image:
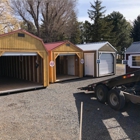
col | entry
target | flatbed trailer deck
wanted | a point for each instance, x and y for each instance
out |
(118, 90)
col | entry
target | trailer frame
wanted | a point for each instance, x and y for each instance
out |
(118, 90)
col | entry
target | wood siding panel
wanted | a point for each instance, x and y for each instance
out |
(13, 42)
(67, 49)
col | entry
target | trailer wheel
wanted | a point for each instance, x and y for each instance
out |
(116, 99)
(101, 93)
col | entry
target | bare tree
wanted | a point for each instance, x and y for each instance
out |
(28, 11)
(55, 15)
(49, 16)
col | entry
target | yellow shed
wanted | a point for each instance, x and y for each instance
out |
(23, 62)
(65, 61)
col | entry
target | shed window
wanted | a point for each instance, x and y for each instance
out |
(68, 44)
(134, 61)
(21, 35)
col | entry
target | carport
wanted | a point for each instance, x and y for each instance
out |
(65, 61)
(23, 62)
(100, 59)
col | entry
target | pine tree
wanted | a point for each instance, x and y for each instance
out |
(135, 32)
(121, 31)
(96, 15)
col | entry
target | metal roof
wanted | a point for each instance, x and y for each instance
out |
(51, 46)
(134, 47)
(94, 46)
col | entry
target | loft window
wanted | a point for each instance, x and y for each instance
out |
(21, 35)
(68, 44)
(135, 60)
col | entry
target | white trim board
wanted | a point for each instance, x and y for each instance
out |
(19, 54)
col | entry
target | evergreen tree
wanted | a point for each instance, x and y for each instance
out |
(96, 15)
(85, 30)
(121, 31)
(135, 32)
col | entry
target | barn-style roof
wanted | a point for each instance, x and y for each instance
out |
(94, 46)
(24, 32)
(134, 48)
(20, 30)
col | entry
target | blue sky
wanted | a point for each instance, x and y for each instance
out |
(129, 8)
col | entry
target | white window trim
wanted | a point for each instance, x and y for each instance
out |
(130, 61)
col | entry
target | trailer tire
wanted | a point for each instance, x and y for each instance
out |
(101, 93)
(116, 99)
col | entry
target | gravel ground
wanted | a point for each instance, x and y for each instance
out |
(53, 114)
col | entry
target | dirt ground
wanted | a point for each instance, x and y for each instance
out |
(53, 113)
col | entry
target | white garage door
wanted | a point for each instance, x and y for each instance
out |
(89, 63)
(106, 65)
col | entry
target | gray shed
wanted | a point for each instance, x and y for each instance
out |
(99, 59)
(132, 55)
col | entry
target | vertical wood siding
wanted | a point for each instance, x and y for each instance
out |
(24, 67)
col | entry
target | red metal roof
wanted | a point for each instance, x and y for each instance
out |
(51, 46)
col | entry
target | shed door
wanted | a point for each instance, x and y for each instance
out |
(71, 65)
(89, 63)
(106, 65)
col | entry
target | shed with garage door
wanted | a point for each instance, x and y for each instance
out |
(132, 57)
(23, 62)
(65, 61)
(100, 59)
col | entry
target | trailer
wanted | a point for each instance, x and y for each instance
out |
(118, 90)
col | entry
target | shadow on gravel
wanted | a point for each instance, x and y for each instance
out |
(100, 122)
(86, 78)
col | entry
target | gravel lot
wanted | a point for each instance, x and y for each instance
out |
(53, 114)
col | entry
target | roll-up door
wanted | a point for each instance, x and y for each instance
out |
(106, 65)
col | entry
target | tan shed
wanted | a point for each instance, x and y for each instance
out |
(65, 61)
(23, 62)
(100, 59)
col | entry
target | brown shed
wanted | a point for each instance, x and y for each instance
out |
(23, 62)
(65, 61)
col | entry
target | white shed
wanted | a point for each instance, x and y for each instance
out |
(99, 59)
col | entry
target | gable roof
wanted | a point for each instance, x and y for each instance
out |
(134, 48)
(51, 46)
(94, 46)
(23, 31)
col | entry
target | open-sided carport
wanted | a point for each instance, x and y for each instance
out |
(23, 62)
(65, 61)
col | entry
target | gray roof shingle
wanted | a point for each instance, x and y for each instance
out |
(134, 47)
